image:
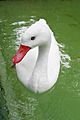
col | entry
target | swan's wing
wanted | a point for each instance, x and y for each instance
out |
(54, 61)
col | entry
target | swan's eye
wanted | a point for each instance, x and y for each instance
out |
(32, 38)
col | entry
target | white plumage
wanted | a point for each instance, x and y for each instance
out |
(39, 69)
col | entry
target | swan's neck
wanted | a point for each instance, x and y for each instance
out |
(39, 75)
(42, 60)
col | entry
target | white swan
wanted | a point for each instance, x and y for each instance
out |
(38, 59)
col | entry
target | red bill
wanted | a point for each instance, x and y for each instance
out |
(20, 53)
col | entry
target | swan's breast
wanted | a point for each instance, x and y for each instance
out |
(26, 66)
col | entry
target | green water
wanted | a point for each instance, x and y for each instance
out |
(62, 102)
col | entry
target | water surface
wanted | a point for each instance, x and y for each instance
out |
(62, 102)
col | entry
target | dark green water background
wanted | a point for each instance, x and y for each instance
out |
(62, 102)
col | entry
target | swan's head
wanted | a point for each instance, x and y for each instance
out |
(38, 34)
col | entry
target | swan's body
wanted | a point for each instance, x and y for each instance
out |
(39, 69)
